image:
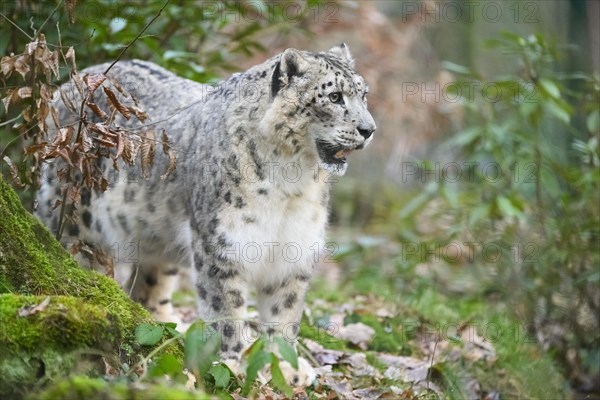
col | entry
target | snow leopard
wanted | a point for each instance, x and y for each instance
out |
(246, 209)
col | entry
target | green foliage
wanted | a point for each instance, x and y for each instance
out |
(543, 135)
(201, 344)
(529, 190)
(148, 334)
(287, 351)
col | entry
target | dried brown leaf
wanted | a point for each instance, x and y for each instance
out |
(96, 109)
(130, 150)
(54, 115)
(88, 169)
(67, 101)
(120, 145)
(112, 98)
(168, 150)
(30, 310)
(101, 128)
(46, 93)
(42, 113)
(24, 92)
(22, 65)
(70, 57)
(10, 93)
(86, 141)
(74, 194)
(358, 333)
(103, 184)
(27, 113)
(70, 6)
(57, 204)
(139, 113)
(108, 370)
(7, 65)
(79, 83)
(34, 148)
(106, 142)
(93, 81)
(191, 380)
(64, 154)
(147, 148)
(14, 172)
(63, 136)
(120, 88)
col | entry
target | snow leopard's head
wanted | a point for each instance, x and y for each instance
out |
(325, 103)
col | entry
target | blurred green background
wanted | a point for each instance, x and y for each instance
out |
(483, 180)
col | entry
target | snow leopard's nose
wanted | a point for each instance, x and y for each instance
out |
(366, 133)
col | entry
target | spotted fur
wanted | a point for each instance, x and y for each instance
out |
(246, 209)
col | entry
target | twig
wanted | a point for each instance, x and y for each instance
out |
(11, 120)
(137, 37)
(431, 364)
(16, 26)
(137, 270)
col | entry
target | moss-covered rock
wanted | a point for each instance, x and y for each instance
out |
(87, 313)
(83, 388)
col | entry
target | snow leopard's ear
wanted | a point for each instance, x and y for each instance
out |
(291, 63)
(343, 51)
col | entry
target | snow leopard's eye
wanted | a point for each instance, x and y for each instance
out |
(336, 97)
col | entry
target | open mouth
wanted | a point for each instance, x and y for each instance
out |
(332, 154)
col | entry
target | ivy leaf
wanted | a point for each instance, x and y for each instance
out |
(278, 378)
(221, 375)
(287, 351)
(148, 334)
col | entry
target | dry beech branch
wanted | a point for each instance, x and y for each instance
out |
(95, 135)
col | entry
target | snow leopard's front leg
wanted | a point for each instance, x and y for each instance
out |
(280, 306)
(222, 294)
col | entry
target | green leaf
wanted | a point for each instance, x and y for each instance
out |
(221, 375)
(450, 195)
(478, 213)
(560, 112)
(278, 378)
(506, 207)
(287, 351)
(593, 121)
(167, 364)
(148, 334)
(202, 344)
(549, 88)
(467, 136)
(453, 67)
(419, 201)
(256, 361)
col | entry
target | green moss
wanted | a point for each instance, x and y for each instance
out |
(66, 322)
(33, 263)
(87, 314)
(84, 388)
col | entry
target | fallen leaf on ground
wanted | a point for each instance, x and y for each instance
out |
(30, 310)
(357, 333)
